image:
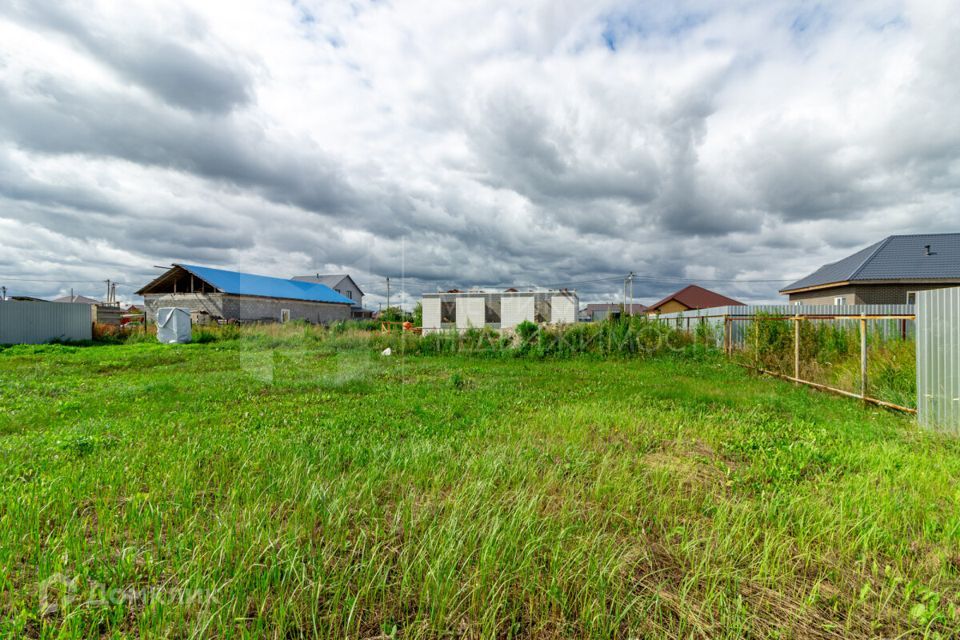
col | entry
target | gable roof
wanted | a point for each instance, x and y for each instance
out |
(248, 284)
(329, 279)
(893, 258)
(696, 297)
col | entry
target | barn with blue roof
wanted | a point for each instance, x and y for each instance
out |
(231, 296)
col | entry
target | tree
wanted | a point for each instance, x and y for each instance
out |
(394, 314)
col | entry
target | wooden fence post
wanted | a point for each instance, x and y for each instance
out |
(863, 357)
(796, 347)
(726, 335)
(756, 341)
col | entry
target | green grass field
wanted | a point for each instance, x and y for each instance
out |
(289, 487)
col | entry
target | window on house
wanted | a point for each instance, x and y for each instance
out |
(284, 315)
(840, 301)
(911, 297)
(337, 290)
(350, 294)
(797, 303)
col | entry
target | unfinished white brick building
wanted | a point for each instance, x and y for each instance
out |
(498, 310)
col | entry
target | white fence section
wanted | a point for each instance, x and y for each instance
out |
(516, 309)
(563, 309)
(38, 321)
(431, 313)
(938, 359)
(471, 312)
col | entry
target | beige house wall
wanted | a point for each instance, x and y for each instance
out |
(670, 306)
(864, 293)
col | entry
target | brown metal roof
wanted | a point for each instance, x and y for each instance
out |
(696, 297)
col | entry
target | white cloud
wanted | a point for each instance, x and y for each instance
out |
(471, 142)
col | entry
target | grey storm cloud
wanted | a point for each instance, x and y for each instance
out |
(52, 118)
(560, 143)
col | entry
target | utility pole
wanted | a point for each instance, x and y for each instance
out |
(625, 295)
(631, 292)
(388, 293)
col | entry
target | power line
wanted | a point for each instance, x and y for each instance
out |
(20, 279)
(722, 280)
(620, 278)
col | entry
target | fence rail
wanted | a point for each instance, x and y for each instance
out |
(728, 327)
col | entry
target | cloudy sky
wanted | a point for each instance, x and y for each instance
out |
(473, 142)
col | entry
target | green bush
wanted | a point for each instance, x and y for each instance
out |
(527, 330)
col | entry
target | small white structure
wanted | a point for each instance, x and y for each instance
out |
(173, 325)
(498, 310)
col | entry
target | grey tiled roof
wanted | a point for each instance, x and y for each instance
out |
(894, 258)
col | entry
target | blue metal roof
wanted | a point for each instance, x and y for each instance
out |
(894, 258)
(248, 284)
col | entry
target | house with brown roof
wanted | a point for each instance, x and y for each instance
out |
(691, 297)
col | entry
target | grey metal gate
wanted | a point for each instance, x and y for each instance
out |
(938, 359)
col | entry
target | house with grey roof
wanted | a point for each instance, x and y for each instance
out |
(343, 284)
(888, 272)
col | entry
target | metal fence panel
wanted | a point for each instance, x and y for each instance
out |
(714, 317)
(37, 321)
(938, 358)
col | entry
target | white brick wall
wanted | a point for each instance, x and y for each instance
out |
(471, 312)
(431, 314)
(563, 310)
(514, 310)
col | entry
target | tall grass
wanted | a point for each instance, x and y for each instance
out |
(270, 485)
(629, 337)
(830, 355)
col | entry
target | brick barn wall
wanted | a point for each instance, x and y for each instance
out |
(212, 303)
(246, 309)
(249, 309)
